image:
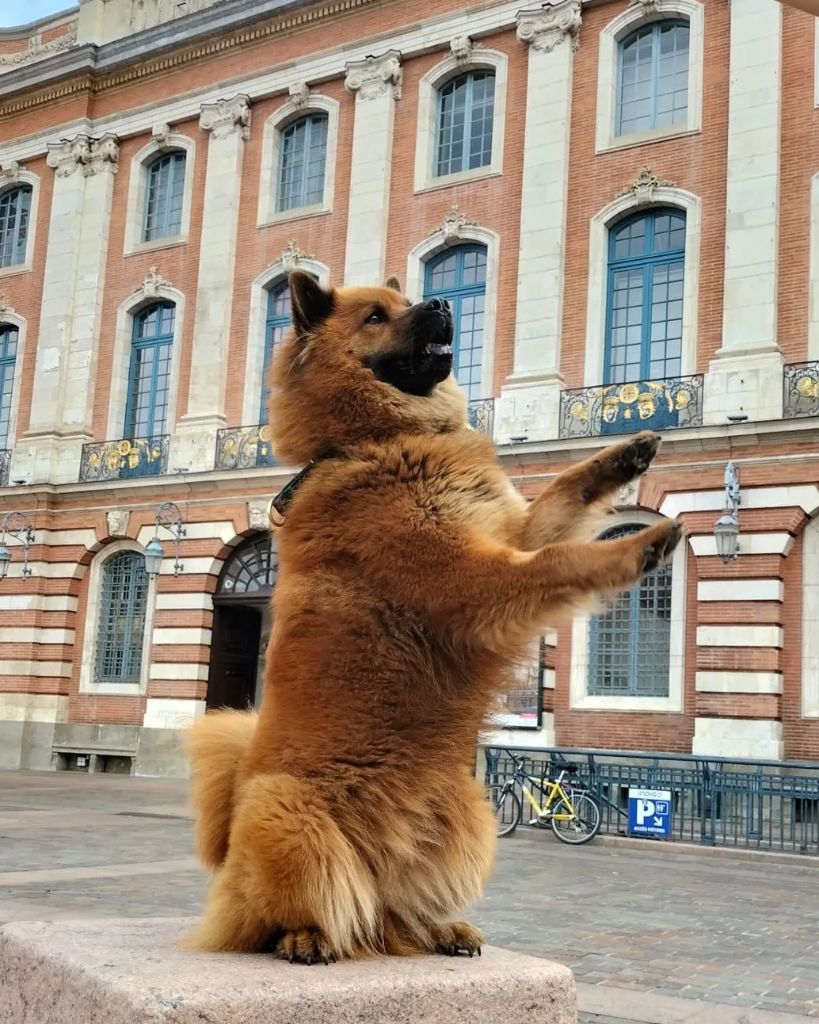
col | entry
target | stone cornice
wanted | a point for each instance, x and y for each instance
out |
(91, 156)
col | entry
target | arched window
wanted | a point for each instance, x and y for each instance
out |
(630, 646)
(8, 359)
(15, 210)
(276, 326)
(122, 610)
(652, 78)
(463, 132)
(164, 194)
(459, 275)
(251, 569)
(149, 374)
(302, 159)
(645, 297)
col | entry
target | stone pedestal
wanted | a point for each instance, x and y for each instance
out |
(127, 971)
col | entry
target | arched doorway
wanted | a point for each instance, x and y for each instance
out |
(241, 624)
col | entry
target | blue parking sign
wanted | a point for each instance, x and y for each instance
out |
(649, 812)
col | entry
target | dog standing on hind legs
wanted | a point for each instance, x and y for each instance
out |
(344, 819)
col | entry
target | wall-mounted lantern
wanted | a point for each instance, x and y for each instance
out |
(15, 524)
(726, 528)
(168, 516)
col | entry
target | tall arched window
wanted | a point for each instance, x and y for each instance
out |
(302, 159)
(122, 611)
(15, 210)
(8, 358)
(164, 193)
(459, 275)
(645, 297)
(630, 646)
(463, 132)
(276, 326)
(652, 77)
(146, 411)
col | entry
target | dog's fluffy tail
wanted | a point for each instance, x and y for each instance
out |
(216, 745)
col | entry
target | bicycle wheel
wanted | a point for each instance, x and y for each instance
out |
(583, 825)
(507, 807)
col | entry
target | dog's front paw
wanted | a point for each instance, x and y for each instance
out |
(455, 938)
(305, 946)
(620, 464)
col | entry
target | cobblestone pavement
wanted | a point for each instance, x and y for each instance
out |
(742, 932)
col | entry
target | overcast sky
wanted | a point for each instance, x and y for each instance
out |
(21, 12)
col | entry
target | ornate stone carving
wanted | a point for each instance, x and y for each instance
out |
(292, 255)
(4, 304)
(461, 47)
(626, 496)
(92, 156)
(153, 283)
(452, 226)
(647, 7)
(224, 117)
(161, 134)
(156, 12)
(117, 519)
(547, 28)
(257, 516)
(299, 95)
(37, 49)
(373, 76)
(644, 186)
(10, 173)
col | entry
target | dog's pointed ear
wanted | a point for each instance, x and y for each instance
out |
(394, 283)
(311, 304)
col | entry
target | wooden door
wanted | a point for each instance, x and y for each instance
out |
(234, 656)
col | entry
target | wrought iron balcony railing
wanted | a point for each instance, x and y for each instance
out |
(801, 390)
(639, 405)
(482, 415)
(5, 464)
(124, 458)
(244, 447)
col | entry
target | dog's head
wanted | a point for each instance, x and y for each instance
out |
(361, 364)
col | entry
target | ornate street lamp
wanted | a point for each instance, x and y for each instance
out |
(15, 524)
(726, 528)
(169, 516)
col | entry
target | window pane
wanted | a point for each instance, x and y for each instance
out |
(652, 88)
(163, 197)
(278, 323)
(15, 209)
(302, 162)
(466, 109)
(8, 352)
(121, 632)
(149, 375)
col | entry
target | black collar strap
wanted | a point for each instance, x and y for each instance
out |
(277, 508)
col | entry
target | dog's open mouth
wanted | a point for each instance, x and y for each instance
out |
(437, 349)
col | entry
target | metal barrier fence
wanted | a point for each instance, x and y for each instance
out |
(716, 801)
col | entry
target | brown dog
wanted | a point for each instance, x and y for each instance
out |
(346, 819)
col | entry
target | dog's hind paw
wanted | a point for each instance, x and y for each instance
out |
(305, 946)
(455, 938)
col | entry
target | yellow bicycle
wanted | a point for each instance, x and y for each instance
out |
(572, 812)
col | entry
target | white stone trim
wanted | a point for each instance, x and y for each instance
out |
(36, 635)
(193, 566)
(633, 17)
(33, 707)
(813, 264)
(804, 496)
(661, 196)
(184, 602)
(165, 636)
(738, 737)
(223, 530)
(92, 613)
(579, 698)
(44, 669)
(450, 67)
(146, 295)
(739, 682)
(137, 185)
(436, 242)
(704, 545)
(257, 321)
(294, 110)
(171, 712)
(810, 620)
(48, 570)
(739, 636)
(741, 590)
(179, 670)
(37, 603)
(522, 739)
(23, 177)
(9, 316)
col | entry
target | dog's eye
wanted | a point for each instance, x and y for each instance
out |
(378, 316)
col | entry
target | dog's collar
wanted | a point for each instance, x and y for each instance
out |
(277, 508)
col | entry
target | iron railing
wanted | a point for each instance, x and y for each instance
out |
(638, 405)
(716, 801)
(244, 447)
(5, 465)
(124, 458)
(800, 390)
(482, 415)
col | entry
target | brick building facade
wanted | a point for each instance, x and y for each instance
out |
(621, 200)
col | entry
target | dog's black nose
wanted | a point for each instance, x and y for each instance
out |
(438, 306)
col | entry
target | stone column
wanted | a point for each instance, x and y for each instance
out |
(71, 308)
(376, 82)
(530, 400)
(228, 122)
(745, 376)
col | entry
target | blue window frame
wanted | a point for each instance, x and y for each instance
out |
(8, 360)
(630, 646)
(302, 160)
(149, 376)
(463, 130)
(121, 631)
(164, 193)
(276, 326)
(645, 297)
(459, 275)
(15, 211)
(652, 78)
